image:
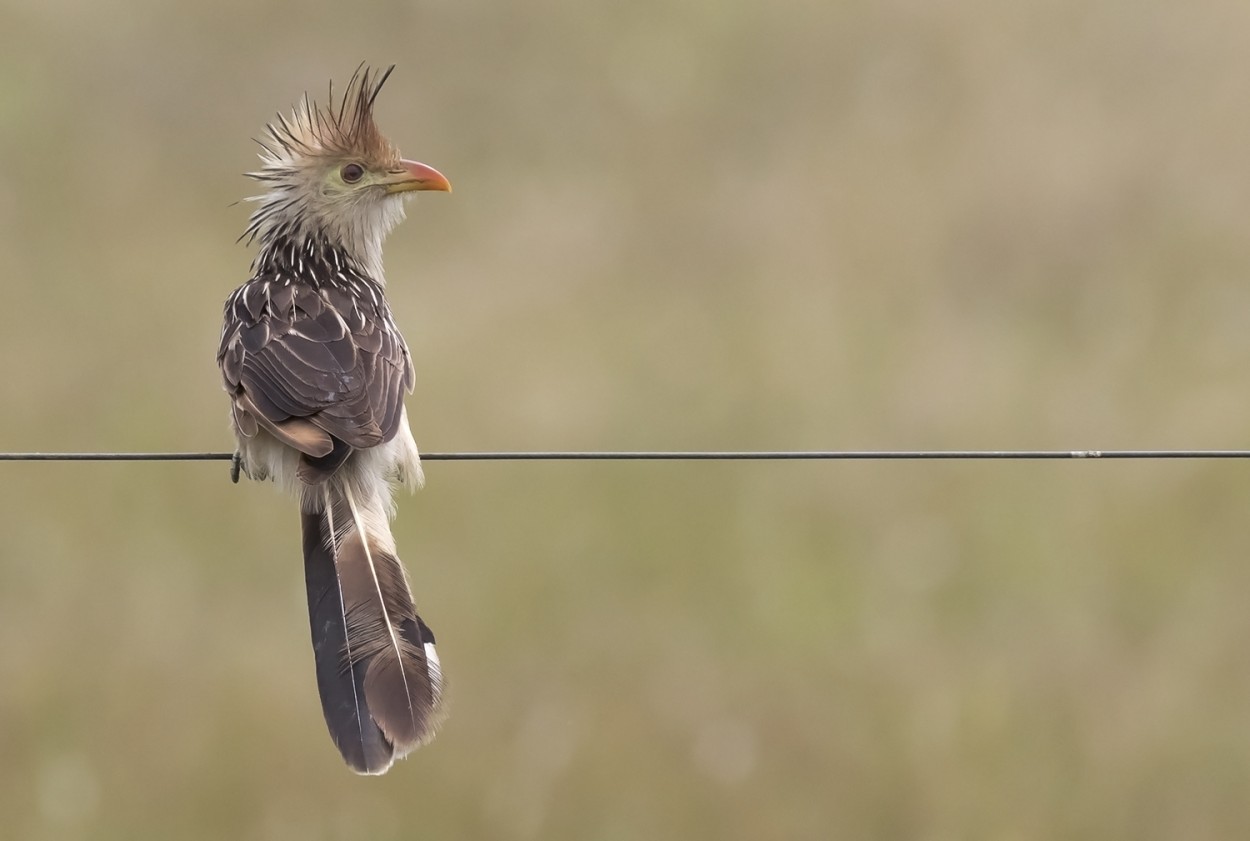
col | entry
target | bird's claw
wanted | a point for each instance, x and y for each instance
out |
(236, 465)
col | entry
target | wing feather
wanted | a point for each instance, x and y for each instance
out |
(328, 355)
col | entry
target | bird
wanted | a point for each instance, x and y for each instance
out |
(317, 371)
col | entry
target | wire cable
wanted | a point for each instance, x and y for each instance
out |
(700, 455)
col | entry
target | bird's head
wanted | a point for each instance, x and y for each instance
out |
(329, 173)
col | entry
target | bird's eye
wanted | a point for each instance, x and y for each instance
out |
(352, 173)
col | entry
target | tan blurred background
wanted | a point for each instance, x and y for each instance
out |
(688, 224)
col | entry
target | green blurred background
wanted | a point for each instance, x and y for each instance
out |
(691, 224)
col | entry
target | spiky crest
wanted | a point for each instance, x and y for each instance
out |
(339, 128)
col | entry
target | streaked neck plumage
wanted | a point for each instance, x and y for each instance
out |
(286, 217)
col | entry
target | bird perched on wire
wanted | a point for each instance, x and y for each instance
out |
(317, 372)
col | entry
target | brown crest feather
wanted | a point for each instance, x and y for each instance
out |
(343, 126)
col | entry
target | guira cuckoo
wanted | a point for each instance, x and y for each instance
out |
(317, 370)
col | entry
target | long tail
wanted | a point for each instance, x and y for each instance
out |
(377, 670)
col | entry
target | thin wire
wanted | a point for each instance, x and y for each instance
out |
(762, 455)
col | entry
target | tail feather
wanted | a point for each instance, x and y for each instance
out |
(377, 669)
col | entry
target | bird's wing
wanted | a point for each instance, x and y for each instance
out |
(304, 361)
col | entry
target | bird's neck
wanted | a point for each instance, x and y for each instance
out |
(315, 258)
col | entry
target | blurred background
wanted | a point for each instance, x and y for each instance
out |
(684, 224)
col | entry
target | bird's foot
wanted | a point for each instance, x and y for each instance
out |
(236, 465)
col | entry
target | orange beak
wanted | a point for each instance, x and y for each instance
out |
(415, 176)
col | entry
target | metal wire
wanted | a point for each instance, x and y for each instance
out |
(762, 455)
